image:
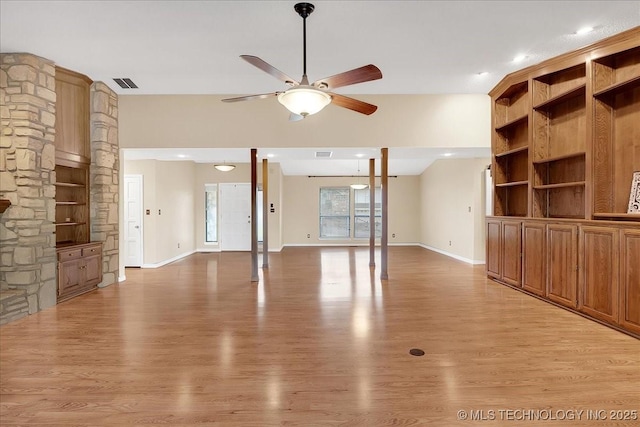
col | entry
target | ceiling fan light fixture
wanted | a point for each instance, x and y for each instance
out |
(225, 167)
(304, 100)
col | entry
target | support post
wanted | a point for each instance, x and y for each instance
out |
(384, 184)
(372, 212)
(254, 215)
(265, 213)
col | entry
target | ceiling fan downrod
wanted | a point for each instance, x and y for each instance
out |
(304, 10)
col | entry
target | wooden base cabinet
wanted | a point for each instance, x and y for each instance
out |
(534, 273)
(79, 269)
(504, 246)
(598, 282)
(629, 315)
(562, 261)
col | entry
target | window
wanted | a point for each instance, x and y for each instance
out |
(211, 213)
(361, 213)
(335, 212)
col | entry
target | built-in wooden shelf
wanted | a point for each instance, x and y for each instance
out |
(68, 184)
(512, 151)
(512, 184)
(562, 97)
(619, 216)
(512, 122)
(63, 224)
(4, 204)
(70, 204)
(618, 87)
(560, 185)
(513, 89)
(556, 158)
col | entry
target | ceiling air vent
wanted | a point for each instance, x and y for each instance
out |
(323, 154)
(125, 83)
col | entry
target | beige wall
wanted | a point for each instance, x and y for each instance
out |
(163, 121)
(207, 174)
(169, 194)
(300, 209)
(452, 207)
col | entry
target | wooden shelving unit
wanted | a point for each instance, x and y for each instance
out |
(616, 153)
(565, 144)
(72, 207)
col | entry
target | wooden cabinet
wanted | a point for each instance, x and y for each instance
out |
(79, 269)
(504, 250)
(562, 262)
(629, 314)
(565, 144)
(72, 118)
(534, 272)
(598, 281)
(79, 262)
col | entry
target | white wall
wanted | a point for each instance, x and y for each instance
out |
(168, 194)
(165, 121)
(300, 208)
(452, 208)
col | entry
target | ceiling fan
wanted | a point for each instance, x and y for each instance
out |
(303, 99)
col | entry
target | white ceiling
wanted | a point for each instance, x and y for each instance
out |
(193, 47)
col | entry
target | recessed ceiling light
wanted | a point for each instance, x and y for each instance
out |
(447, 154)
(359, 155)
(182, 156)
(270, 155)
(482, 73)
(584, 30)
(520, 58)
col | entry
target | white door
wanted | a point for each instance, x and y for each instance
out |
(235, 217)
(133, 220)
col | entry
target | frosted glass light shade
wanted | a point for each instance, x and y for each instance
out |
(304, 100)
(225, 167)
(359, 186)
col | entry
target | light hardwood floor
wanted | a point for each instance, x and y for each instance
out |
(319, 341)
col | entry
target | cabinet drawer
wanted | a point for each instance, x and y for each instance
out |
(68, 254)
(96, 250)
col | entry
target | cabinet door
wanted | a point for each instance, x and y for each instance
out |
(562, 261)
(630, 280)
(494, 248)
(599, 273)
(69, 276)
(511, 252)
(534, 274)
(92, 270)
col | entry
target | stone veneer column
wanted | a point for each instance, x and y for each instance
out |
(104, 169)
(27, 177)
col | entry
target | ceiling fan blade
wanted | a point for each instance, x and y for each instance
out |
(358, 75)
(293, 117)
(269, 69)
(353, 104)
(250, 97)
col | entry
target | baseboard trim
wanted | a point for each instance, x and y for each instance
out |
(122, 278)
(454, 256)
(168, 261)
(358, 244)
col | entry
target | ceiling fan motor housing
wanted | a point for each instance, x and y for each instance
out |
(304, 9)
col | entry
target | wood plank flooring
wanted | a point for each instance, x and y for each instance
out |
(320, 341)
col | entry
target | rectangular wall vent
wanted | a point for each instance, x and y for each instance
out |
(125, 83)
(323, 154)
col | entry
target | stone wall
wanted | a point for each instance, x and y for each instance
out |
(27, 162)
(28, 281)
(104, 170)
